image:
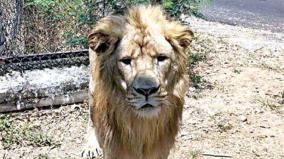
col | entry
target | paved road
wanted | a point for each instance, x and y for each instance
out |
(263, 14)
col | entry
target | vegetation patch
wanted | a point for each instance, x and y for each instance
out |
(197, 81)
(272, 105)
(224, 127)
(274, 102)
(56, 24)
(195, 154)
(194, 58)
(25, 134)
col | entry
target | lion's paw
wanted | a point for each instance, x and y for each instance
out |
(92, 152)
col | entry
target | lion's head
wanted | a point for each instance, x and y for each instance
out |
(141, 56)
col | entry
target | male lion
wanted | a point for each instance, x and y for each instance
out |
(137, 86)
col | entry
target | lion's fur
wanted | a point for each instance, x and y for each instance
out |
(122, 133)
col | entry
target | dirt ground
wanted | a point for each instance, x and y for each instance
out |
(234, 107)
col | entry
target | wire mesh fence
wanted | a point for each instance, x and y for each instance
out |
(33, 27)
(55, 28)
(42, 26)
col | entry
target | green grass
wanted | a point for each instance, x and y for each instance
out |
(195, 154)
(13, 133)
(197, 81)
(194, 58)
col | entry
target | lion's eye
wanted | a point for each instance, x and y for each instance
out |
(161, 58)
(126, 61)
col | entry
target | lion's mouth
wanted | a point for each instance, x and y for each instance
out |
(147, 106)
(148, 110)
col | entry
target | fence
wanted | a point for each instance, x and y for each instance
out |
(42, 26)
(38, 34)
(29, 28)
(33, 27)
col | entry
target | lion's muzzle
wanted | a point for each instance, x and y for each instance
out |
(146, 89)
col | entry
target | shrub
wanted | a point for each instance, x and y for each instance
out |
(49, 22)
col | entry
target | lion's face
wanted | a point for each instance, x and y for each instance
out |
(141, 58)
(144, 63)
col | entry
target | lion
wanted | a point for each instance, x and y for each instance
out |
(138, 66)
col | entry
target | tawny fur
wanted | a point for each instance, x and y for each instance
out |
(122, 134)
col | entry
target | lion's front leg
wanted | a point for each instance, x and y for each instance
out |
(92, 148)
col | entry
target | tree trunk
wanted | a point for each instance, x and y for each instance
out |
(2, 35)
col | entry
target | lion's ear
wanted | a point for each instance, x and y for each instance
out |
(102, 43)
(179, 35)
(185, 38)
(106, 34)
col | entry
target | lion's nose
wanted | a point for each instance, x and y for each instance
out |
(147, 91)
